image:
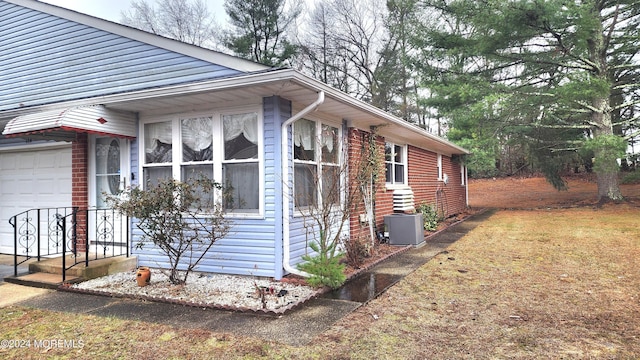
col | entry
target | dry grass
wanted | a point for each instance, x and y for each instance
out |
(551, 283)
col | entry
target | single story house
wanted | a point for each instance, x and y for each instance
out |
(89, 106)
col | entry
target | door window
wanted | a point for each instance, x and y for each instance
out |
(107, 168)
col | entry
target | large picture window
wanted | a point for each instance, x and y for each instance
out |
(395, 162)
(224, 147)
(316, 156)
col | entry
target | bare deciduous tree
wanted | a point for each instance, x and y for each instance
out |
(188, 21)
(362, 48)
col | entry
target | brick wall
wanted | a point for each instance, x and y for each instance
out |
(79, 185)
(422, 179)
(449, 198)
(456, 195)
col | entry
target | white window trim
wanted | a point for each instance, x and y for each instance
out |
(218, 142)
(405, 162)
(440, 172)
(305, 211)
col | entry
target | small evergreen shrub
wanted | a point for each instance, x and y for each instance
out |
(429, 216)
(325, 270)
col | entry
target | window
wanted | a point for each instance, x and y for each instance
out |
(158, 140)
(308, 136)
(197, 150)
(329, 139)
(240, 166)
(395, 162)
(224, 147)
(439, 167)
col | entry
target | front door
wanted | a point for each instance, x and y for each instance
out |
(110, 161)
(107, 229)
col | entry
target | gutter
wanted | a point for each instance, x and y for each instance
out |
(286, 245)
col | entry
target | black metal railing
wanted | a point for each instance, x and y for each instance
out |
(87, 234)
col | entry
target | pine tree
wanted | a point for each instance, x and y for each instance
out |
(561, 77)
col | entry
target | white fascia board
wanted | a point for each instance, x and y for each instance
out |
(197, 52)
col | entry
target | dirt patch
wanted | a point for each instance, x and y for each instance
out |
(532, 193)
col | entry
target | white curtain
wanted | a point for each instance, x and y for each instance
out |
(197, 133)
(245, 124)
(157, 142)
(329, 136)
(241, 182)
(304, 134)
(157, 131)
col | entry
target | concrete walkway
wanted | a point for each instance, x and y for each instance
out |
(296, 328)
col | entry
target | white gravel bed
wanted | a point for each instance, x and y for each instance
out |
(224, 291)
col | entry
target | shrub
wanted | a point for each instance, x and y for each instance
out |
(429, 216)
(357, 249)
(170, 215)
(324, 268)
(631, 178)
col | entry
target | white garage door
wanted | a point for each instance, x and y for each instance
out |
(37, 178)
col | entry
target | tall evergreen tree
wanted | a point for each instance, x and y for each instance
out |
(395, 87)
(259, 30)
(562, 75)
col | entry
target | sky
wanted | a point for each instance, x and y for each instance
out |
(110, 9)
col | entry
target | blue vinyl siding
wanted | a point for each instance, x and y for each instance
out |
(279, 110)
(133, 148)
(46, 59)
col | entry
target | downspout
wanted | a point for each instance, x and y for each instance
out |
(466, 185)
(286, 246)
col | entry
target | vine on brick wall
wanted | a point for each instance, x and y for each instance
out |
(369, 167)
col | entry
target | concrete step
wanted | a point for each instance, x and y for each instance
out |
(48, 273)
(96, 268)
(41, 280)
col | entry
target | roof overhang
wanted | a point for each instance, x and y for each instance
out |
(289, 84)
(64, 124)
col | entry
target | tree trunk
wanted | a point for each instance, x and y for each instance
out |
(608, 187)
(607, 168)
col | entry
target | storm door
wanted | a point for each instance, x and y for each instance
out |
(107, 228)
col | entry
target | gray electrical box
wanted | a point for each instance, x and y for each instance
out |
(405, 229)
